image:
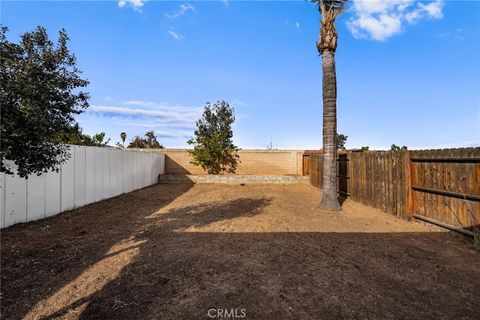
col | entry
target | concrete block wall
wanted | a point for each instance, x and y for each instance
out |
(252, 162)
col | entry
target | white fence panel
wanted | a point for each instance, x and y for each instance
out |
(131, 172)
(52, 193)
(2, 199)
(67, 195)
(106, 172)
(35, 197)
(15, 200)
(147, 168)
(123, 168)
(80, 176)
(150, 172)
(91, 174)
(136, 168)
(98, 175)
(115, 173)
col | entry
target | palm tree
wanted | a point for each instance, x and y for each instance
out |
(123, 136)
(326, 46)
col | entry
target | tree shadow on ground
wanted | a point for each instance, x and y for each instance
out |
(129, 221)
(153, 266)
(41, 257)
(160, 234)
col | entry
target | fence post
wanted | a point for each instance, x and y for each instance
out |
(410, 182)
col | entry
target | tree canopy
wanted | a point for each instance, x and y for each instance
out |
(394, 147)
(213, 147)
(40, 96)
(149, 142)
(75, 135)
(341, 140)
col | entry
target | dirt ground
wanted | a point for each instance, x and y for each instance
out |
(265, 252)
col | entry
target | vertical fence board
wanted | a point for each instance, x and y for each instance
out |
(115, 177)
(106, 172)
(80, 176)
(89, 175)
(98, 156)
(2, 200)
(15, 200)
(67, 177)
(35, 197)
(52, 193)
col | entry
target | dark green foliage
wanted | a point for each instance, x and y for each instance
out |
(123, 136)
(149, 142)
(334, 4)
(74, 135)
(341, 140)
(394, 147)
(213, 147)
(39, 98)
(364, 149)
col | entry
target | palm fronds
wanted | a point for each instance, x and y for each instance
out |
(330, 8)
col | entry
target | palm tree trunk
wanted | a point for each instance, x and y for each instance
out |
(329, 84)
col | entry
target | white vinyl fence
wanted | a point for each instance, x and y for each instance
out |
(91, 174)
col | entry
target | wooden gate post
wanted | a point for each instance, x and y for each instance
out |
(410, 183)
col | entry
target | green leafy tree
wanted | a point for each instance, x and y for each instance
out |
(213, 147)
(327, 46)
(39, 97)
(99, 139)
(123, 136)
(341, 140)
(149, 142)
(74, 135)
(394, 147)
(364, 149)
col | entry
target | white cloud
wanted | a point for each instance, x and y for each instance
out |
(457, 34)
(175, 35)
(295, 24)
(381, 19)
(168, 121)
(433, 9)
(135, 4)
(239, 103)
(139, 103)
(183, 8)
(173, 134)
(158, 111)
(152, 116)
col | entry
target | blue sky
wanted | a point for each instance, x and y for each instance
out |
(408, 72)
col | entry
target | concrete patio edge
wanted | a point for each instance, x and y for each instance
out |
(231, 179)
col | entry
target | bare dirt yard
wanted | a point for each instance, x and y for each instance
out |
(178, 251)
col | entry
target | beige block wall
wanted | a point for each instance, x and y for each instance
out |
(252, 162)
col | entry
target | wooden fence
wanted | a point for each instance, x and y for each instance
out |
(445, 186)
(442, 186)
